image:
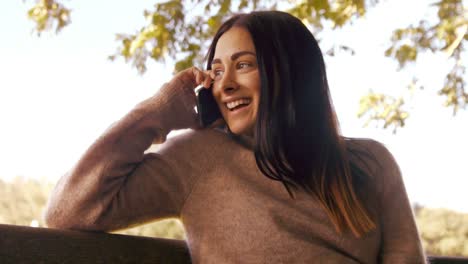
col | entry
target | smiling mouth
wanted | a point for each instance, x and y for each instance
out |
(237, 104)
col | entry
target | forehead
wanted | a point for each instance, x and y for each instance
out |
(234, 40)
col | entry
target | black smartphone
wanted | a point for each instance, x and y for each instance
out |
(207, 108)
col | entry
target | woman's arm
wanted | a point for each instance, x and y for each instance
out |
(400, 238)
(115, 184)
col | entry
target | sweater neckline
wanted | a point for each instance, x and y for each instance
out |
(244, 140)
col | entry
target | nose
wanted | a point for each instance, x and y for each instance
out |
(228, 84)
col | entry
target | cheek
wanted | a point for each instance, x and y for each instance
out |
(219, 103)
(216, 94)
(252, 84)
(257, 92)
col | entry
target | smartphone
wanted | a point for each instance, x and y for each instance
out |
(207, 108)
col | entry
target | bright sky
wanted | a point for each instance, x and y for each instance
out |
(58, 93)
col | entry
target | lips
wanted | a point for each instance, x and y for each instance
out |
(240, 102)
(235, 104)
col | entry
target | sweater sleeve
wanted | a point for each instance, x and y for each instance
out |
(400, 237)
(115, 184)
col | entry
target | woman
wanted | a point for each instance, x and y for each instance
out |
(277, 185)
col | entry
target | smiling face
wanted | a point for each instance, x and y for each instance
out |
(236, 86)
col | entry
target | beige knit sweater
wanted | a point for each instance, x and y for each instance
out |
(231, 212)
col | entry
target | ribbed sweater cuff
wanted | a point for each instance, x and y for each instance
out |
(171, 108)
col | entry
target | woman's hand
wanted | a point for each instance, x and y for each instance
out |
(193, 77)
(174, 103)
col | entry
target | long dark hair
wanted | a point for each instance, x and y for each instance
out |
(296, 136)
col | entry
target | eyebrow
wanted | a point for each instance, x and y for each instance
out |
(234, 56)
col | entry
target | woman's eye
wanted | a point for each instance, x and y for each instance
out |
(217, 73)
(243, 65)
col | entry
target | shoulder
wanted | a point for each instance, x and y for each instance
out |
(369, 147)
(195, 142)
(373, 156)
(200, 137)
(193, 151)
(365, 144)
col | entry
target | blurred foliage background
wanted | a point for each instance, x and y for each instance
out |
(182, 29)
(443, 232)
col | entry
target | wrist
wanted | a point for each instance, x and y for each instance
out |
(172, 107)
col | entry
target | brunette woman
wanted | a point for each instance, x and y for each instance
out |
(275, 183)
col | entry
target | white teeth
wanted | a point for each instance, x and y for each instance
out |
(233, 104)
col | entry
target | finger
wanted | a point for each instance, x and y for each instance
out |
(207, 83)
(208, 73)
(198, 75)
(212, 74)
(208, 80)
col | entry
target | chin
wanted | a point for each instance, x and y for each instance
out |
(240, 130)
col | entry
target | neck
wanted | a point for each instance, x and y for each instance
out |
(245, 139)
